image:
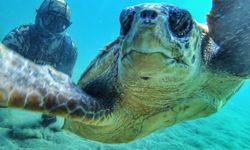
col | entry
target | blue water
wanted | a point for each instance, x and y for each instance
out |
(95, 23)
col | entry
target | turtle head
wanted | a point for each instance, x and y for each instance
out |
(159, 42)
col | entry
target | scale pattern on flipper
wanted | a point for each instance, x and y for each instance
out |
(41, 88)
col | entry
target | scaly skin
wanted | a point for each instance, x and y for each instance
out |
(37, 88)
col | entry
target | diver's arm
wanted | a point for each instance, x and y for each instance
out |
(67, 64)
(68, 58)
(16, 39)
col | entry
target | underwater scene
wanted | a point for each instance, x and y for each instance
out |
(92, 25)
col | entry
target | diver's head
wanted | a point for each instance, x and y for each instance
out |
(53, 17)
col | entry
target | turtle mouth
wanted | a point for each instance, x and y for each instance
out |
(147, 25)
(165, 58)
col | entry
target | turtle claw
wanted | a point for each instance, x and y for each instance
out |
(229, 26)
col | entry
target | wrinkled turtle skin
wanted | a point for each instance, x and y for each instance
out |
(163, 69)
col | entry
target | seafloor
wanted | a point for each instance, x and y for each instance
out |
(228, 129)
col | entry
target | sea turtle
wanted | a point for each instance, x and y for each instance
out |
(163, 69)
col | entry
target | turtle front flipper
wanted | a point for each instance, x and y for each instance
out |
(229, 26)
(32, 87)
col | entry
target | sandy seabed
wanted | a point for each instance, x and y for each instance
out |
(228, 129)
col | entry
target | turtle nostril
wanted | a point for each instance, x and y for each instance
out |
(149, 14)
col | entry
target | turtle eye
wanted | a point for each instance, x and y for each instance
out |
(180, 22)
(126, 19)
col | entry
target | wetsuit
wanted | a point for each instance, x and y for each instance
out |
(59, 52)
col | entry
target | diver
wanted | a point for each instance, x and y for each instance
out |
(46, 41)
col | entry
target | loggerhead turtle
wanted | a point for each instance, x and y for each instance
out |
(164, 68)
